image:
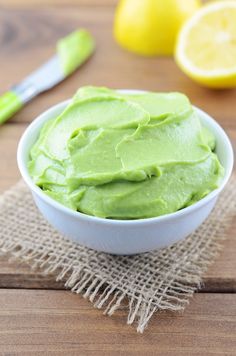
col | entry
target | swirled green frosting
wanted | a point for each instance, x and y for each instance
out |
(125, 156)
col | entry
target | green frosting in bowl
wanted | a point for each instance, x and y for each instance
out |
(126, 156)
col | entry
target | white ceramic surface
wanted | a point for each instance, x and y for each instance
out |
(123, 236)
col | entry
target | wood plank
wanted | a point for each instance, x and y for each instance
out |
(220, 277)
(110, 66)
(9, 137)
(57, 321)
(17, 275)
(77, 3)
(40, 3)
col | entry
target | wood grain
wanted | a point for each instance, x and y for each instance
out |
(40, 3)
(43, 318)
(110, 66)
(220, 277)
(62, 323)
(77, 3)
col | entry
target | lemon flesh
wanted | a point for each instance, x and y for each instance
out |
(206, 45)
(150, 27)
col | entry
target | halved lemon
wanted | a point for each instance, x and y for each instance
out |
(206, 45)
(150, 27)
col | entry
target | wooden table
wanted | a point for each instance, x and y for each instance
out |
(36, 313)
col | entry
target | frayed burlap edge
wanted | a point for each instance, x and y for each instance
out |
(155, 281)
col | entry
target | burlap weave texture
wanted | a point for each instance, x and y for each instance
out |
(151, 282)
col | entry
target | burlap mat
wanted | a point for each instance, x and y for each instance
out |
(151, 282)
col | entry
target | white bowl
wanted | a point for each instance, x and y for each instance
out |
(123, 236)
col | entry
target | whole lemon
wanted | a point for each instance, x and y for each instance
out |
(150, 27)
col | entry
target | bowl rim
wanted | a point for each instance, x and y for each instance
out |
(43, 117)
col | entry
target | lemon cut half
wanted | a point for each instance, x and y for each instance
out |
(206, 45)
